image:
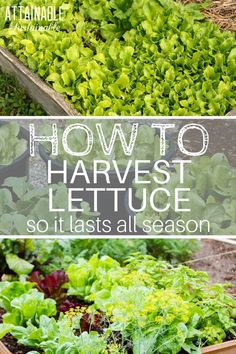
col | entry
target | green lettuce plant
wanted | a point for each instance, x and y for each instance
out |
(158, 306)
(11, 145)
(57, 337)
(143, 306)
(13, 100)
(20, 248)
(21, 256)
(131, 58)
(33, 203)
(212, 196)
(147, 144)
(29, 306)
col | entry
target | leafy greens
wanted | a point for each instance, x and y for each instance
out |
(131, 57)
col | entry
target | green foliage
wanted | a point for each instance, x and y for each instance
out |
(33, 203)
(29, 306)
(51, 255)
(57, 337)
(14, 101)
(174, 251)
(212, 183)
(30, 319)
(147, 144)
(120, 249)
(11, 145)
(132, 58)
(18, 265)
(11, 290)
(152, 305)
(162, 309)
(21, 248)
(23, 303)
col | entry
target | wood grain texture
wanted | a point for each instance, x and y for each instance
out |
(52, 102)
(232, 113)
(3, 349)
(223, 348)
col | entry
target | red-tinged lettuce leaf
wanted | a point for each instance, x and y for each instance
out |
(51, 284)
(67, 305)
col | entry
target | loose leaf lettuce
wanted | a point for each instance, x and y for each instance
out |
(11, 146)
(18, 265)
(131, 58)
(212, 183)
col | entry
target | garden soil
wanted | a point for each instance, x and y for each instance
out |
(11, 343)
(221, 269)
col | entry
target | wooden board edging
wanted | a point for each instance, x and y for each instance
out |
(3, 349)
(232, 112)
(223, 348)
(52, 102)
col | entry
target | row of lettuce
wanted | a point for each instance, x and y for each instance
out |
(96, 304)
(130, 57)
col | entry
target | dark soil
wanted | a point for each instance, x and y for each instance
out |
(11, 343)
(221, 268)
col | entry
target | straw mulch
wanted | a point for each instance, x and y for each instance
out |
(222, 12)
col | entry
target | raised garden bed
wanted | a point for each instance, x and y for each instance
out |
(106, 66)
(4, 349)
(82, 291)
(53, 103)
(224, 348)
